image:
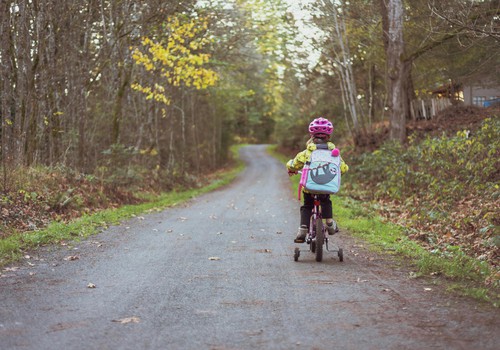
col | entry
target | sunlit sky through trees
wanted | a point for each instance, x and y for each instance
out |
(303, 20)
(307, 30)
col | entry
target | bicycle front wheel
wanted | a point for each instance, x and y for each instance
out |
(320, 238)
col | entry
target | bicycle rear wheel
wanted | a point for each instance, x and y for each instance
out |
(320, 238)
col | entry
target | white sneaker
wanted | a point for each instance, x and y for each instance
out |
(332, 228)
(301, 235)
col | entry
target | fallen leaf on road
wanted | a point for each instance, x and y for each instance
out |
(214, 258)
(91, 285)
(265, 251)
(254, 333)
(11, 269)
(72, 257)
(427, 289)
(360, 280)
(126, 320)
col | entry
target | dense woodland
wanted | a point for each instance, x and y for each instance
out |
(101, 99)
(115, 88)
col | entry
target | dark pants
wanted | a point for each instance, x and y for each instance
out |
(306, 209)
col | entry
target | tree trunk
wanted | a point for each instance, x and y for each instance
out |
(397, 70)
(6, 91)
(371, 89)
(342, 58)
(118, 108)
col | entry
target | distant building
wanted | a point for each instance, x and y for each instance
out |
(478, 94)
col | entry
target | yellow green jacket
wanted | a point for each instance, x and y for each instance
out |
(301, 158)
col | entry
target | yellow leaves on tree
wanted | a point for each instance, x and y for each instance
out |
(176, 59)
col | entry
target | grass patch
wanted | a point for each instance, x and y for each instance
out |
(13, 247)
(467, 276)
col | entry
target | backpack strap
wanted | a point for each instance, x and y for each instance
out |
(303, 177)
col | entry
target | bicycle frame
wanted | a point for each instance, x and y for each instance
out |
(315, 214)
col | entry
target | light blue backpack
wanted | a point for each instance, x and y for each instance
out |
(321, 174)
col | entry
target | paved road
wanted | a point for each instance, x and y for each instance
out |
(218, 273)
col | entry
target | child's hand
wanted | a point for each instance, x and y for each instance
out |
(344, 168)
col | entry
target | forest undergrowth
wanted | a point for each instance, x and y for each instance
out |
(443, 187)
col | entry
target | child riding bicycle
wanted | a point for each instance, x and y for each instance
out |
(320, 130)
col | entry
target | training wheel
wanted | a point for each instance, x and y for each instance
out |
(341, 254)
(296, 254)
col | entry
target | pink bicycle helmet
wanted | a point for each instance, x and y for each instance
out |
(320, 126)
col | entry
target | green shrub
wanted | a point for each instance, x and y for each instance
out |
(441, 169)
(444, 190)
(459, 165)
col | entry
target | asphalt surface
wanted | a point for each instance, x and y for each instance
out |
(218, 273)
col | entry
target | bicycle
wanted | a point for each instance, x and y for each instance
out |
(317, 235)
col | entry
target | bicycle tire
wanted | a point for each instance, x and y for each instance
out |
(320, 238)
